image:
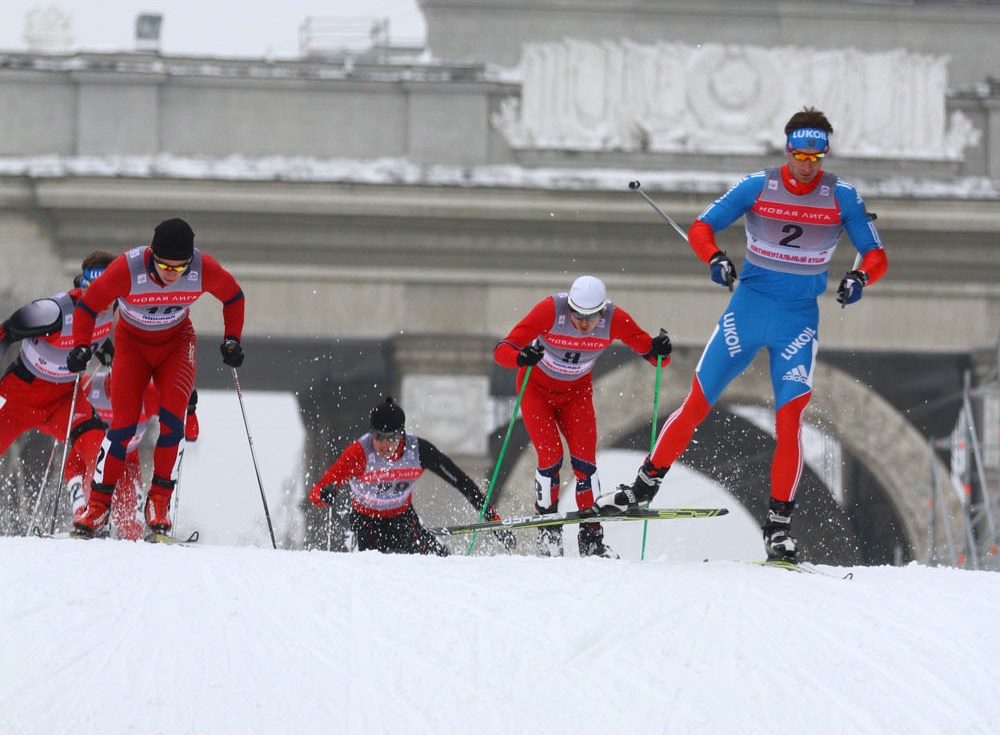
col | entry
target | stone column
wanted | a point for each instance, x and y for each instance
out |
(444, 389)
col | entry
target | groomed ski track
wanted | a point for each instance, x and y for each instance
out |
(114, 637)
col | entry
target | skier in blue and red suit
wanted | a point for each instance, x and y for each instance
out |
(155, 340)
(794, 216)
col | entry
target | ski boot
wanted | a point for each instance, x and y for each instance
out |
(590, 540)
(91, 519)
(778, 540)
(634, 496)
(158, 505)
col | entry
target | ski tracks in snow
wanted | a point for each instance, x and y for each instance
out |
(103, 636)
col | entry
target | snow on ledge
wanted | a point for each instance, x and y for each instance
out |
(400, 171)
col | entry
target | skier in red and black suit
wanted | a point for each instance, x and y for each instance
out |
(37, 388)
(155, 287)
(125, 513)
(564, 335)
(381, 468)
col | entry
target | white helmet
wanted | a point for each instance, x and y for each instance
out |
(587, 295)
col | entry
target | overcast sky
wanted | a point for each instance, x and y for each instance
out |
(208, 27)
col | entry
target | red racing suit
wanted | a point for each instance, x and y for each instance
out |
(155, 340)
(38, 387)
(128, 490)
(559, 396)
(382, 515)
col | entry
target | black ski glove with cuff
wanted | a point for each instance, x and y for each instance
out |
(232, 352)
(78, 358)
(530, 355)
(661, 346)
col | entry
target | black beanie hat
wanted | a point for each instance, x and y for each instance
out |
(173, 239)
(387, 417)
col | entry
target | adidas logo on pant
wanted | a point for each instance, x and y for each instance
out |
(798, 373)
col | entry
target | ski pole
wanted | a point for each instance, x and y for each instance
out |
(857, 262)
(65, 454)
(175, 497)
(652, 440)
(41, 489)
(634, 186)
(253, 456)
(503, 448)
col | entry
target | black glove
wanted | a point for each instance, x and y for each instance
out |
(722, 270)
(106, 353)
(322, 495)
(78, 358)
(850, 288)
(232, 352)
(193, 402)
(661, 346)
(530, 355)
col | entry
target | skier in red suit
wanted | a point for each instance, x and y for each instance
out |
(37, 388)
(128, 491)
(155, 287)
(564, 335)
(381, 468)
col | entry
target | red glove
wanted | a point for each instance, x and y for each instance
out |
(191, 428)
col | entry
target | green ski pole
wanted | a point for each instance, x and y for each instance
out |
(652, 441)
(503, 448)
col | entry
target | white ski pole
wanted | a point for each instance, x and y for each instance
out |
(65, 454)
(176, 498)
(41, 488)
(634, 186)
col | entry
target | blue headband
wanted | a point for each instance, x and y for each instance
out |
(813, 138)
(90, 275)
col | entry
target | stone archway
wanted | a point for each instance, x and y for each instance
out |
(866, 425)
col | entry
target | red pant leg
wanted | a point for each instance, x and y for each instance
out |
(174, 378)
(679, 427)
(786, 469)
(131, 371)
(538, 410)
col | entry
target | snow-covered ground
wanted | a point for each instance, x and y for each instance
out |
(232, 637)
(117, 637)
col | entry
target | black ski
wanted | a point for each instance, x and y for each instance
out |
(559, 519)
